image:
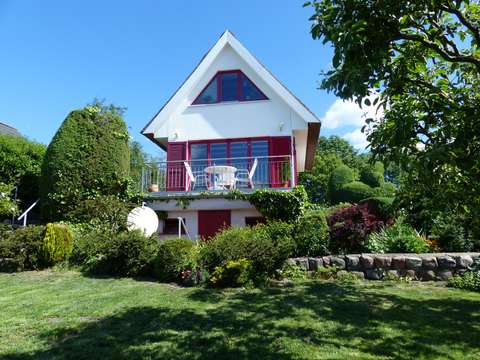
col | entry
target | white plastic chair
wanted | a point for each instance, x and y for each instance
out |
(246, 176)
(194, 178)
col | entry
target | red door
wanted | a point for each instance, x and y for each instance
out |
(211, 221)
(280, 171)
(175, 176)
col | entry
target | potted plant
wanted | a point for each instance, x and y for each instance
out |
(162, 216)
(153, 188)
(285, 172)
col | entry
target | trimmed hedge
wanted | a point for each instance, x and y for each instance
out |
(88, 156)
(280, 205)
(373, 175)
(340, 176)
(354, 192)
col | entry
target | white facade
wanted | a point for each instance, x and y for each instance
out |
(282, 114)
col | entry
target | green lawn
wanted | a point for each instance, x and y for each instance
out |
(63, 315)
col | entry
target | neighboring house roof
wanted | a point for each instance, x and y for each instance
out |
(8, 130)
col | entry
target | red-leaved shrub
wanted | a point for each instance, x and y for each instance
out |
(349, 227)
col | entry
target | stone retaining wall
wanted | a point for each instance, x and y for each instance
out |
(426, 267)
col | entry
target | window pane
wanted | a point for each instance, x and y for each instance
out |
(218, 153)
(209, 95)
(229, 86)
(250, 91)
(198, 163)
(260, 151)
(239, 150)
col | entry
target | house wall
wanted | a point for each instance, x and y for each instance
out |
(239, 211)
(271, 117)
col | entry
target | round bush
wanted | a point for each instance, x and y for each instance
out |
(173, 257)
(311, 234)
(88, 156)
(373, 175)
(267, 246)
(340, 176)
(354, 192)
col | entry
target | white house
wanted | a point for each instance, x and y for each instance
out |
(230, 125)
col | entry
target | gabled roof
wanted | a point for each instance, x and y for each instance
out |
(8, 130)
(228, 38)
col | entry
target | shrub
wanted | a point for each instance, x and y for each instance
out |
(120, 254)
(397, 238)
(20, 163)
(234, 273)
(173, 257)
(339, 177)
(311, 234)
(280, 205)
(387, 189)
(267, 246)
(8, 206)
(349, 227)
(373, 175)
(468, 281)
(452, 233)
(88, 156)
(24, 246)
(107, 210)
(384, 205)
(354, 192)
(57, 243)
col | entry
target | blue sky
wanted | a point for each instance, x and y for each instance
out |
(58, 55)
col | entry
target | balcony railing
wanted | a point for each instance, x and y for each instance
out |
(220, 174)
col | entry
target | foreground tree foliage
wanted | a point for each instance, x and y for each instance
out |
(423, 60)
(88, 156)
(20, 163)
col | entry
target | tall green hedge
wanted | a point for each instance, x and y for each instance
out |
(88, 156)
(373, 175)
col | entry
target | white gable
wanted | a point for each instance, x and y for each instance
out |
(227, 53)
(281, 115)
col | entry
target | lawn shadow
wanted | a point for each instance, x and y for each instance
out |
(254, 325)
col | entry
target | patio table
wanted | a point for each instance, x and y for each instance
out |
(223, 176)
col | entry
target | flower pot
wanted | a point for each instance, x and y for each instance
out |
(153, 188)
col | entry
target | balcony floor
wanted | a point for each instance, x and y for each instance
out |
(166, 195)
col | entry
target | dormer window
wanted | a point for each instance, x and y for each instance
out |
(232, 85)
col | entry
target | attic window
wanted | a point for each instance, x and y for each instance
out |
(231, 85)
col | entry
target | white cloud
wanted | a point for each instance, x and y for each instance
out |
(357, 139)
(348, 113)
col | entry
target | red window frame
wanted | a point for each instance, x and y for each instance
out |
(217, 78)
(248, 140)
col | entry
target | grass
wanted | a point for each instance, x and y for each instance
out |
(63, 315)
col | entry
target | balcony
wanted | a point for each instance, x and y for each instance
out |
(173, 178)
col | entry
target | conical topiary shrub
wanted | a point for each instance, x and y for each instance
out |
(88, 156)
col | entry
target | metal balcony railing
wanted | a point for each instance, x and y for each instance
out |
(220, 174)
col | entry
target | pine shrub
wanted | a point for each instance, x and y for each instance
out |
(57, 243)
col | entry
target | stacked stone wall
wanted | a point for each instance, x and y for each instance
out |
(425, 267)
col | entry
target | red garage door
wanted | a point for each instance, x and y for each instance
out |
(210, 221)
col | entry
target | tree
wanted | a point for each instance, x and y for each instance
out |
(8, 206)
(88, 156)
(20, 163)
(138, 161)
(422, 58)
